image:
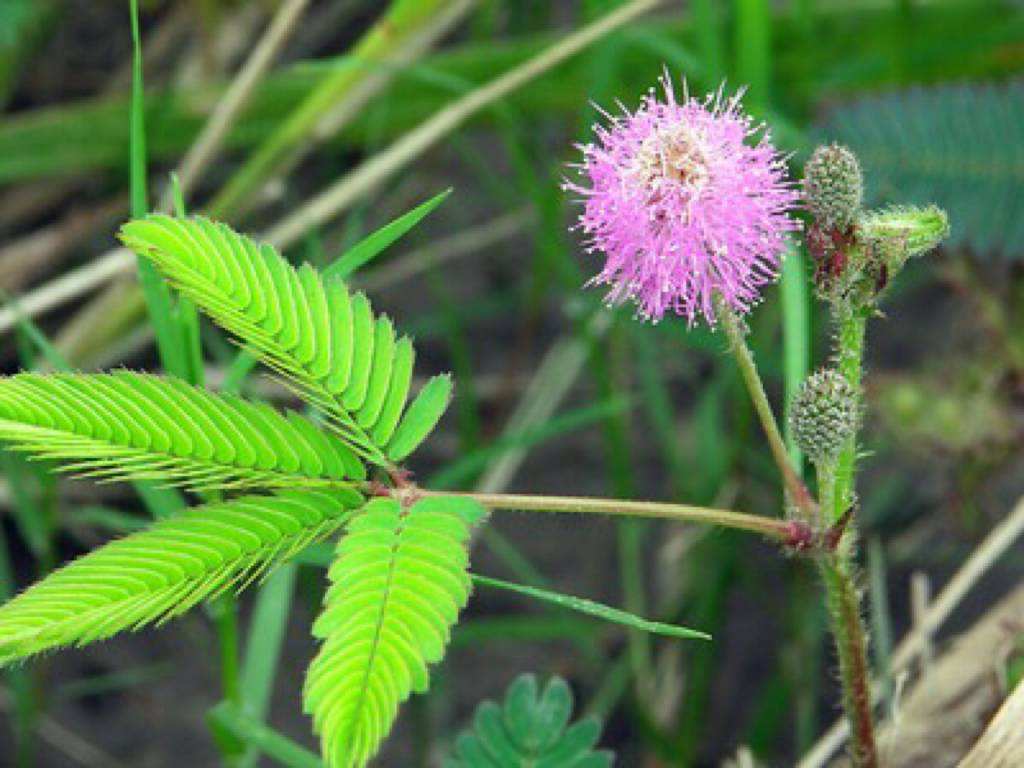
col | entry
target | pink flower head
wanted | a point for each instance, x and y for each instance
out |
(686, 199)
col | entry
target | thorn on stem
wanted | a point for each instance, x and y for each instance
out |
(835, 532)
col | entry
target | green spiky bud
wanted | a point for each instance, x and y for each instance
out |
(904, 231)
(833, 187)
(824, 415)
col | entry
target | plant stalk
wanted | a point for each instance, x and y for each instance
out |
(774, 528)
(850, 343)
(843, 600)
(836, 484)
(734, 330)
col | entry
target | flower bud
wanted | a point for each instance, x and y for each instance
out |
(905, 231)
(833, 187)
(824, 415)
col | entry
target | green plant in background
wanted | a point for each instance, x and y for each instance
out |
(529, 729)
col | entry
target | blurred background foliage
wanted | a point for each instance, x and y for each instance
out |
(554, 394)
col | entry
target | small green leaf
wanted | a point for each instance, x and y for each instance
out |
(421, 418)
(380, 372)
(401, 378)
(592, 608)
(529, 731)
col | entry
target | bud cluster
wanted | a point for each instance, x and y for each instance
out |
(858, 252)
(825, 413)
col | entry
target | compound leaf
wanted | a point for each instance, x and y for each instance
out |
(398, 583)
(130, 426)
(323, 340)
(530, 729)
(161, 572)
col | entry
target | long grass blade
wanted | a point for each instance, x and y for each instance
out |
(591, 608)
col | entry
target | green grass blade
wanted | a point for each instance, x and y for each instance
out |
(263, 652)
(754, 50)
(591, 608)
(372, 245)
(796, 334)
(462, 470)
(158, 295)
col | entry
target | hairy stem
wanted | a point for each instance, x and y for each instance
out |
(781, 530)
(836, 484)
(745, 359)
(843, 600)
(850, 343)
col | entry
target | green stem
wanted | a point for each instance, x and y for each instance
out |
(734, 329)
(850, 342)
(766, 526)
(225, 612)
(836, 484)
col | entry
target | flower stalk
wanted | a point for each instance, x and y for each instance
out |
(736, 333)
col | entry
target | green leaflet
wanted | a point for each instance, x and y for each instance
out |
(529, 731)
(323, 340)
(161, 572)
(398, 583)
(129, 426)
(421, 417)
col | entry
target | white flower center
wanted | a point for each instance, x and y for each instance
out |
(671, 157)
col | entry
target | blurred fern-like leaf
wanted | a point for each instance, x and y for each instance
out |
(958, 146)
(530, 729)
(398, 583)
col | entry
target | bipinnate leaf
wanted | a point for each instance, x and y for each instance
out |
(529, 730)
(161, 572)
(325, 341)
(398, 583)
(130, 426)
